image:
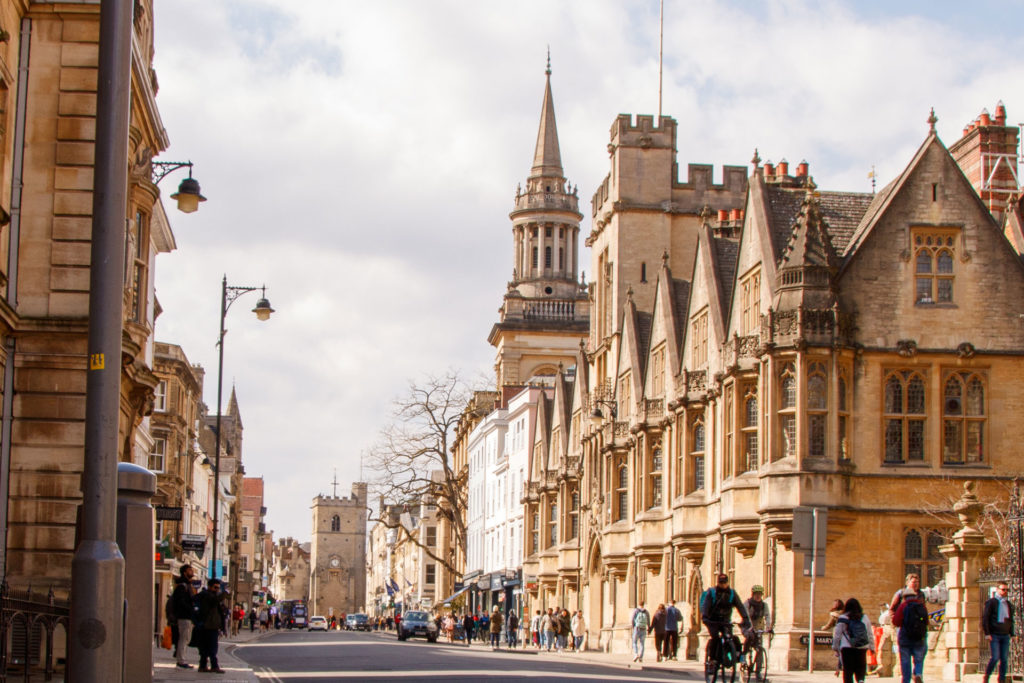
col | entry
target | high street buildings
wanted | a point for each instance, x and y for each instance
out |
(752, 347)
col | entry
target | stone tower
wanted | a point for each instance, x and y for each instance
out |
(337, 580)
(545, 311)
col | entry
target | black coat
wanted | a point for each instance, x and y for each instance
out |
(182, 600)
(990, 625)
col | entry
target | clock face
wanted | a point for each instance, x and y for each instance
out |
(335, 562)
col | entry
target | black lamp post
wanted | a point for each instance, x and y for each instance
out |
(597, 416)
(188, 195)
(228, 295)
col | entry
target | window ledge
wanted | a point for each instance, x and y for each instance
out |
(967, 465)
(908, 465)
(934, 304)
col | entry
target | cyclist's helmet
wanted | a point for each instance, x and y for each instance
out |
(757, 589)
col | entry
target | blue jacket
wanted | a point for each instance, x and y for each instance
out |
(672, 618)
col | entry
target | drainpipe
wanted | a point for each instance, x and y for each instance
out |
(14, 237)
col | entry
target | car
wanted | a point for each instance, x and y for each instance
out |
(417, 624)
(357, 622)
(299, 615)
(317, 623)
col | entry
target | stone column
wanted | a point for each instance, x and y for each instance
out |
(967, 555)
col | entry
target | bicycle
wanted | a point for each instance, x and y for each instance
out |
(721, 654)
(754, 659)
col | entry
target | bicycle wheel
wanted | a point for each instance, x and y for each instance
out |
(711, 671)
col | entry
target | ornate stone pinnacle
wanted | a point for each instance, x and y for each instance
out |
(932, 120)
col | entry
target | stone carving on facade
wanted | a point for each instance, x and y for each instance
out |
(965, 350)
(696, 380)
(906, 348)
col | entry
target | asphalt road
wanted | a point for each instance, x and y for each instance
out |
(298, 656)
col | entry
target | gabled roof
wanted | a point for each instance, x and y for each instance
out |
(810, 242)
(726, 252)
(842, 211)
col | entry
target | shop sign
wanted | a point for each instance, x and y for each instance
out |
(531, 586)
(193, 543)
(496, 582)
(483, 583)
(168, 513)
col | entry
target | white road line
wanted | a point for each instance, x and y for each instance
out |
(339, 643)
(449, 673)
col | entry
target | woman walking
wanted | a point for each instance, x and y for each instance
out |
(852, 640)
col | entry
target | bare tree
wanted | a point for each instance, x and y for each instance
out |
(412, 461)
(993, 521)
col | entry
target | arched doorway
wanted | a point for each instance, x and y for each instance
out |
(692, 637)
(595, 597)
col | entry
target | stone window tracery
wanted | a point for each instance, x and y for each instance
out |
(697, 441)
(787, 410)
(963, 419)
(921, 555)
(622, 493)
(817, 409)
(934, 266)
(904, 420)
(750, 424)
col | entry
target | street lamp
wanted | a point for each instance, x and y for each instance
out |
(228, 295)
(596, 416)
(188, 194)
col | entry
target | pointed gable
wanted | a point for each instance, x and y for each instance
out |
(888, 276)
(636, 328)
(539, 438)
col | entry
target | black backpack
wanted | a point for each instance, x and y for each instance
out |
(856, 632)
(915, 621)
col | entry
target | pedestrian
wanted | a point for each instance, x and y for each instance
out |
(640, 623)
(535, 628)
(449, 627)
(264, 619)
(852, 639)
(658, 626)
(211, 620)
(885, 636)
(579, 630)
(912, 619)
(236, 619)
(253, 616)
(467, 626)
(512, 629)
(673, 618)
(183, 608)
(834, 612)
(564, 630)
(495, 628)
(997, 625)
(548, 627)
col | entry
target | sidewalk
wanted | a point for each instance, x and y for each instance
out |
(165, 667)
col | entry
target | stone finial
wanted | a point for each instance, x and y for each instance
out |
(968, 509)
(705, 214)
(932, 120)
(664, 258)
(756, 161)
(548, 69)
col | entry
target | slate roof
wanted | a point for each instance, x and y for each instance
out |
(644, 324)
(842, 212)
(681, 306)
(727, 251)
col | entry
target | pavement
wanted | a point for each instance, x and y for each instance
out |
(165, 666)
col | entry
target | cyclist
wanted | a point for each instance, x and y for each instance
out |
(716, 606)
(760, 617)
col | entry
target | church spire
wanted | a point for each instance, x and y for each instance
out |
(547, 160)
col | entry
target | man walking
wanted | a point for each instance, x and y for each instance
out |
(467, 626)
(548, 625)
(512, 629)
(535, 630)
(673, 617)
(640, 622)
(183, 606)
(211, 620)
(997, 625)
(912, 618)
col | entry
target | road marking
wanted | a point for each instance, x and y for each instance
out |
(449, 674)
(301, 644)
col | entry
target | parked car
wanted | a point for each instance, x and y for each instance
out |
(318, 623)
(357, 622)
(418, 624)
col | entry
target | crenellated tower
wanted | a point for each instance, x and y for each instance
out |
(545, 312)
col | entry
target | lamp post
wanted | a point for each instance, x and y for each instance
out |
(188, 195)
(596, 416)
(228, 295)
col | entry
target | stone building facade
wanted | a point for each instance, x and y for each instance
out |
(792, 347)
(337, 581)
(47, 119)
(289, 570)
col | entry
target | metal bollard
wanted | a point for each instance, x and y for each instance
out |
(135, 519)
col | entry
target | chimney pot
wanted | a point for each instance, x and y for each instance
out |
(801, 169)
(723, 215)
(769, 169)
(1000, 113)
(782, 169)
(736, 214)
(985, 119)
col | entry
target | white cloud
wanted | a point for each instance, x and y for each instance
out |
(361, 158)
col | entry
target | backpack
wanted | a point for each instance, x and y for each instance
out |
(915, 621)
(856, 632)
(709, 597)
(641, 619)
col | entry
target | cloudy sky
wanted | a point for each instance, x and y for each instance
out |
(361, 158)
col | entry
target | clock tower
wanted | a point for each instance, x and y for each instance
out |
(337, 582)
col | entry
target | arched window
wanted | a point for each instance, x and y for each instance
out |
(335, 523)
(787, 411)
(535, 257)
(921, 555)
(904, 419)
(622, 493)
(750, 421)
(817, 409)
(697, 454)
(963, 419)
(933, 267)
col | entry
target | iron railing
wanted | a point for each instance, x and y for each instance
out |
(29, 623)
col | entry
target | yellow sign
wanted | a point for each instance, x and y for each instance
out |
(95, 361)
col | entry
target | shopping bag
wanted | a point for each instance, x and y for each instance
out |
(165, 642)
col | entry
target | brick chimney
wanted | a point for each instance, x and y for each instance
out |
(987, 154)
